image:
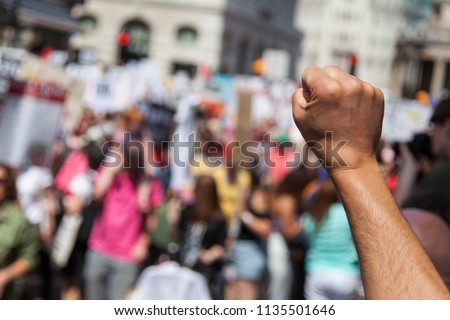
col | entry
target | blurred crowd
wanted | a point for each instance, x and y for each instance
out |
(112, 216)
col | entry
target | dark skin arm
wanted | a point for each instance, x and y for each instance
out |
(393, 263)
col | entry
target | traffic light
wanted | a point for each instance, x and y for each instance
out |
(353, 61)
(123, 39)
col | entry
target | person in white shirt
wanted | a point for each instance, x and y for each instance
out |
(36, 194)
(170, 281)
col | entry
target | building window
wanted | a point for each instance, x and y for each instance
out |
(426, 68)
(134, 41)
(187, 68)
(242, 52)
(87, 23)
(437, 9)
(227, 45)
(187, 35)
(447, 76)
(260, 50)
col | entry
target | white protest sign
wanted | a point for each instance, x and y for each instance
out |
(276, 63)
(404, 119)
(29, 116)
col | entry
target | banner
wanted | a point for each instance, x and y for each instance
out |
(29, 116)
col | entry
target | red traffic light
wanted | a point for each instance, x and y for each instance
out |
(123, 39)
(352, 59)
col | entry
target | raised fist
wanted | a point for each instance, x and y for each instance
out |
(339, 116)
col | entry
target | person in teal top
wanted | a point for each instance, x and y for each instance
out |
(332, 269)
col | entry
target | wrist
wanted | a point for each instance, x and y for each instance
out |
(368, 178)
(366, 167)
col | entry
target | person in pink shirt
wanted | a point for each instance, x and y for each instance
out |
(120, 238)
(282, 160)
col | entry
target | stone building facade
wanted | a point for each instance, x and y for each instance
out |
(423, 58)
(366, 30)
(224, 35)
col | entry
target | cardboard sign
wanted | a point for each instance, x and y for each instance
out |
(243, 127)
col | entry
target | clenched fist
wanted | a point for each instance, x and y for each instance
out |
(339, 116)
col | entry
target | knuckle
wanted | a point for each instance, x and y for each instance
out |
(331, 68)
(354, 85)
(333, 89)
(306, 72)
(369, 91)
(379, 95)
(309, 69)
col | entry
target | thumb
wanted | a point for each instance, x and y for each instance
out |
(301, 98)
(306, 93)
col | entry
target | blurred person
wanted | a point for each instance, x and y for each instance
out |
(159, 123)
(76, 139)
(387, 159)
(67, 142)
(281, 160)
(19, 242)
(434, 234)
(130, 128)
(248, 257)
(233, 183)
(36, 194)
(186, 119)
(69, 159)
(286, 210)
(202, 232)
(133, 132)
(261, 138)
(331, 100)
(38, 199)
(278, 262)
(120, 238)
(433, 192)
(331, 263)
(210, 149)
(130, 121)
(169, 280)
(69, 249)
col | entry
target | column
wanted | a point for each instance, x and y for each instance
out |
(438, 78)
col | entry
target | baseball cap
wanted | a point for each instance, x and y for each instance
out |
(441, 112)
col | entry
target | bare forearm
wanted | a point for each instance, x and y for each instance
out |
(383, 238)
(105, 181)
(261, 227)
(216, 252)
(18, 269)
